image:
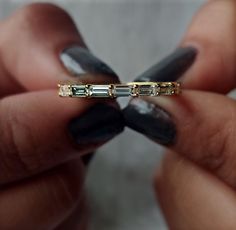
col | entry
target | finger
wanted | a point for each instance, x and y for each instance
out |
(43, 202)
(77, 220)
(39, 130)
(191, 198)
(194, 125)
(207, 58)
(213, 32)
(40, 46)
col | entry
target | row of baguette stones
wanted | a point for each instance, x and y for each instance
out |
(119, 90)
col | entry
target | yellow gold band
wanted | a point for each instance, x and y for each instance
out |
(133, 89)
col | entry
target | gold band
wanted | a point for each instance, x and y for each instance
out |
(133, 89)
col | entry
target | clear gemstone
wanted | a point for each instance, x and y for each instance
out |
(167, 89)
(99, 91)
(145, 90)
(122, 91)
(79, 90)
(65, 90)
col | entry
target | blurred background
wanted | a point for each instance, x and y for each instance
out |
(130, 35)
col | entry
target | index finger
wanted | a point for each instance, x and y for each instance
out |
(40, 46)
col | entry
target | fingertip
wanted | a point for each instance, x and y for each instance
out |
(212, 34)
(49, 198)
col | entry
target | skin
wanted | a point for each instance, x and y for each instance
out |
(196, 181)
(45, 179)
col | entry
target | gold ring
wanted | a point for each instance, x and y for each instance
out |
(133, 89)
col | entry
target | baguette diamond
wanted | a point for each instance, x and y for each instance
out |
(148, 90)
(168, 89)
(79, 90)
(122, 91)
(99, 91)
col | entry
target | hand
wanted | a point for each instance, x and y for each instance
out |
(196, 182)
(43, 136)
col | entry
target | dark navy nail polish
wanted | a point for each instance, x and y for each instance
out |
(172, 67)
(150, 120)
(97, 125)
(79, 61)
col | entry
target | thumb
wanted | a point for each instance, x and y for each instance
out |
(213, 33)
(207, 54)
(194, 125)
(207, 116)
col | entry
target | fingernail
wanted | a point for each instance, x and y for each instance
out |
(79, 61)
(98, 124)
(150, 120)
(172, 67)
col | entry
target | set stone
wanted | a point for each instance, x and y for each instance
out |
(65, 90)
(147, 90)
(167, 89)
(99, 90)
(79, 91)
(122, 91)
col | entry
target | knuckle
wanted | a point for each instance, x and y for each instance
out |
(41, 19)
(218, 145)
(212, 141)
(37, 24)
(63, 187)
(16, 140)
(35, 9)
(213, 149)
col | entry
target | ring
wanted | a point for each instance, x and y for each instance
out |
(133, 89)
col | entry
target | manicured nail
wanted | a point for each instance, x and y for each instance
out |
(150, 120)
(79, 61)
(98, 124)
(172, 67)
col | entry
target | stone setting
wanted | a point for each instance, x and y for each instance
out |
(99, 90)
(167, 89)
(79, 90)
(65, 90)
(122, 91)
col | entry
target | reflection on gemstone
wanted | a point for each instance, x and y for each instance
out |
(167, 89)
(79, 90)
(145, 90)
(99, 90)
(122, 91)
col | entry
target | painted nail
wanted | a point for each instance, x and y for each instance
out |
(172, 67)
(79, 61)
(98, 124)
(150, 120)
